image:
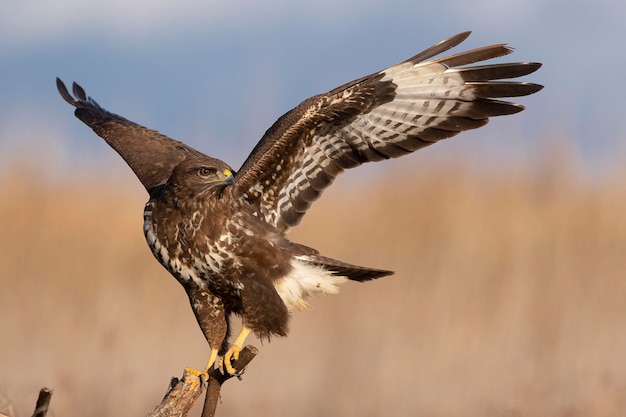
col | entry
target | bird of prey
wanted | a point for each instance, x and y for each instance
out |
(222, 233)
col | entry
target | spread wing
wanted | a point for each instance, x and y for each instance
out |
(151, 155)
(384, 115)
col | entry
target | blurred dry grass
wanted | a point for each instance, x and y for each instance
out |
(509, 300)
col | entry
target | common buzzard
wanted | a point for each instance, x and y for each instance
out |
(222, 233)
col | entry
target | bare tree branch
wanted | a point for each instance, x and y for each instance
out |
(180, 397)
(183, 393)
(43, 402)
(217, 378)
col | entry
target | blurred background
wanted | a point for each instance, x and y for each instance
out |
(508, 242)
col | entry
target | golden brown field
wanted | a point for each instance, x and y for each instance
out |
(509, 300)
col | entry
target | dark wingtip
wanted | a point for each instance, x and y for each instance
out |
(440, 47)
(522, 68)
(533, 66)
(532, 88)
(79, 92)
(460, 37)
(64, 93)
(525, 68)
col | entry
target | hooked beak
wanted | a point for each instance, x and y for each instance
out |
(229, 178)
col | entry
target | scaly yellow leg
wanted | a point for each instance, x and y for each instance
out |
(211, 362)
(234, 349)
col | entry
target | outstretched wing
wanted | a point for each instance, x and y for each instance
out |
(151, 155)
(384, 115)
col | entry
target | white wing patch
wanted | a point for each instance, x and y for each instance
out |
(304, 281)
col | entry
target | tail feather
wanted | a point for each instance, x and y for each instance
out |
(312, 274)
(352, 272)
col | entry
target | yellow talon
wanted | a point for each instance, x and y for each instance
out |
(211, 361)
(200, 374)
(209, 367)
(233, 351)
(231, 354)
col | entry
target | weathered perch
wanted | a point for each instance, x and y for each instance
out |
(182, 394)
(43, 402)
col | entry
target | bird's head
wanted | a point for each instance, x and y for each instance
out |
(197, 177)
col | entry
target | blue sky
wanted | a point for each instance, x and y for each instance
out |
(216, 74)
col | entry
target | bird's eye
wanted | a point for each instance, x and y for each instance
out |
(205, 171)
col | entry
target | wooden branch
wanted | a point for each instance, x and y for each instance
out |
(182, 394)
(43, 402)
(217, 378)
(180, 397)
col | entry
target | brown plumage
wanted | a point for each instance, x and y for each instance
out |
(222, 234)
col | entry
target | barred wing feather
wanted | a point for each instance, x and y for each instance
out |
(384, 115)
